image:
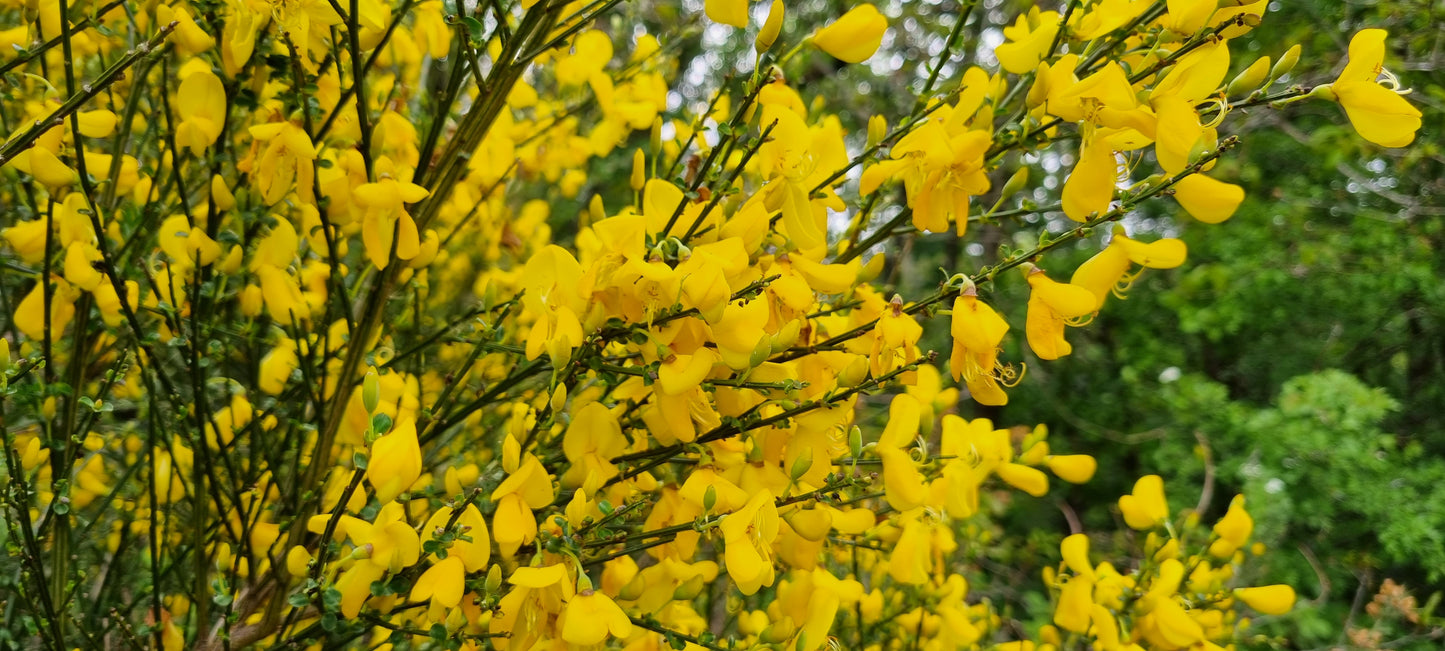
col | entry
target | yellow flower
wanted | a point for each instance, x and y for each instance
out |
(1232, 530)
(896, 332)
(1075, 551)
(1381, 115)
(187, 245)
(748, 535)
(297, 17)
(527, 487)
(855, 36)
(771, 27)
(1108, 271)
(284, 163)
(47, 168)
(201, 101)
(977, 333)
(590, 615)
(387, 224)
(1174, 625)
(910, 561)
(1145, 508)
(552, 280)
(1053, 305)
(395, 462)
(80, 259)
(940, 171)
(591, 440)
(474, 553)
(1029, 39)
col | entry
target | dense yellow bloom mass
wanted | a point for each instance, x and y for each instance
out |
(330, 326)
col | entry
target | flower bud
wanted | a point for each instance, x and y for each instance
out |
(801, 465)
(1252, 78)
(787, 336)
(639, 170)
(771, 28)
(855, 441)
(854, 373)
(654, 137)
(1039, 91)
(4, 355)
(877, 130)
(493, 584)
(780, 631)
(1286, 63)
(559, 398)
(298, 560)
(761, 352)
(709, 499)
(596, 212)
(871, 269)
(632, 591)
(690, 589)
(1015, 183)
(370, 391)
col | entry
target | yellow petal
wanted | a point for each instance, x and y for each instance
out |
(443, 583)
(1029, 480)
(903, 484)
(855, 36)
(1379, 114)
(96, 124)
(538, 577)
(49, 170)
(903, 420)
(798, 217)
(1090, 187)
(1072, 468)
(1269, 599)
(686, 372)
(1167, 253)
(1075, 550)
(1075, 606)
(1101, 273)
(1207, 199)
(728, 12)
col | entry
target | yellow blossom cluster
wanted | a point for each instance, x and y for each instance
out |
(331, 324)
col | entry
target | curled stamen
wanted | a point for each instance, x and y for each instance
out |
(1390, 81)
(1221, 108)
(920, 453)
(1122, 285)
(1007, 376)
(1080, 321)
